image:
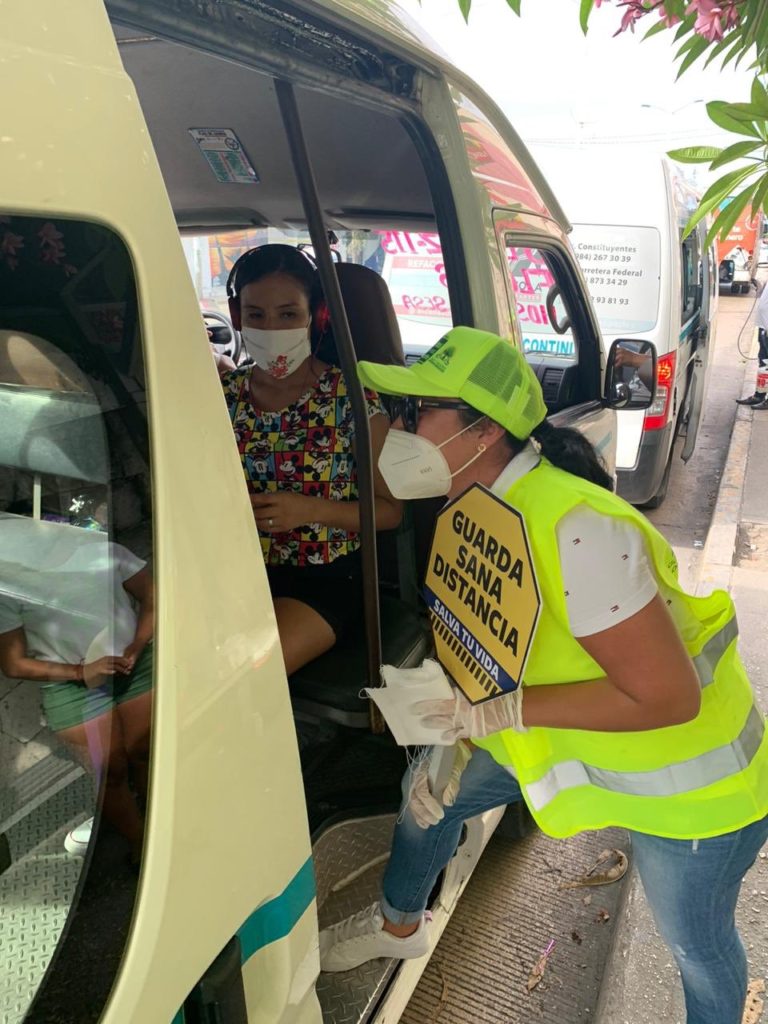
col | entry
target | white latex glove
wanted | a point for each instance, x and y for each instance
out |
(457, 719)
(403, 688)
(460, 762)
(425, 807)
(427, 673)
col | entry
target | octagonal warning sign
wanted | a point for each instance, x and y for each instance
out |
(482, 594)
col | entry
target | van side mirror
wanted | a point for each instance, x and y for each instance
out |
(727, 270)
(630, 377)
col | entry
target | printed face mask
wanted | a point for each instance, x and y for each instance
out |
(414, 467)
(277, 352)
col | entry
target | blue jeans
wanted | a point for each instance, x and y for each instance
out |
(691, 886)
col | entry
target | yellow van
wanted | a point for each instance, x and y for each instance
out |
(129, 131)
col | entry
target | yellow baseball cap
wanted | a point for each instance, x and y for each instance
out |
(479, 368)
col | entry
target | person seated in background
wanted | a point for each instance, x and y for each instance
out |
(77, 614)
(292, 418)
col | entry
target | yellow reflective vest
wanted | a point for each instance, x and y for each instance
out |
(703, 778)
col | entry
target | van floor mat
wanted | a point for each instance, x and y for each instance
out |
(509, 913)
(348, 859)
(354, 770)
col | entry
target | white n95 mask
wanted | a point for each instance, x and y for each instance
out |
(414, 467)
(277, 352)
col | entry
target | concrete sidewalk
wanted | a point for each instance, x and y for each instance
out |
(641, 984)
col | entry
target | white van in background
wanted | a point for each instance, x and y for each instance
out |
(628, 215)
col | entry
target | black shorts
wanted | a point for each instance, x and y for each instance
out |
(334, 591)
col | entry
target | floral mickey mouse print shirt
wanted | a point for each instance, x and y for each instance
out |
(307, 448)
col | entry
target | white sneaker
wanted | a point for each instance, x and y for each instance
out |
(76, 841)
(361, 937)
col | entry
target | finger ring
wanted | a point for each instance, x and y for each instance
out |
(269, 523)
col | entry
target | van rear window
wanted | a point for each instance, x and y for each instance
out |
(621, 266)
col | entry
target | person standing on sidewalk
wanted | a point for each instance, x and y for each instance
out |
(635, 710)
(759, 400)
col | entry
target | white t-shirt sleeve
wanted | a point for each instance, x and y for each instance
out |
(10, 615)
(125, 563)
(607, 577)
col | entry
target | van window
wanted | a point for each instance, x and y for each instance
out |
(621, 266)
(692, 277)
(411, 263)
(534, 284)
(559, 338)
(75, 551)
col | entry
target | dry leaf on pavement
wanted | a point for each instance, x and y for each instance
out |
(537, 971)
(616, 865)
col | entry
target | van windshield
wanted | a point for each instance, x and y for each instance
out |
(622, 267)
(410, 262)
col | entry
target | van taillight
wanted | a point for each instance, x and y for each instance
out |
(657, 416)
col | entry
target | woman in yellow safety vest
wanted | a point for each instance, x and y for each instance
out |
(635, 709)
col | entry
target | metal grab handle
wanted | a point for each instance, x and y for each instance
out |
(302, 167)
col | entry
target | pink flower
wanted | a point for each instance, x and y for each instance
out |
(11, 243)
(50, 234)
(8, 249)
(709, 18)
(634, 11)
(732, 16)
(709, 25)
(51, 245)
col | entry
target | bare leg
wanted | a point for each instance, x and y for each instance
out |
(135, 718)
(304, 634)
(99, 742)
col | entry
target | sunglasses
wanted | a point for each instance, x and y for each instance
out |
(409, 408)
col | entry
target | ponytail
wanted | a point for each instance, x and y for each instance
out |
(564, 447)
(569, 450)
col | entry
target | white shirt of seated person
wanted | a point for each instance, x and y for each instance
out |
(64, 586)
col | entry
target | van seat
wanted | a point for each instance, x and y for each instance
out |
(330, 686)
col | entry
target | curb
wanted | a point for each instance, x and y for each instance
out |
(715, 571)
(716, 568)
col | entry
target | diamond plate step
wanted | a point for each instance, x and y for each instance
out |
(352, 846)
(34, 786)
(36, 893)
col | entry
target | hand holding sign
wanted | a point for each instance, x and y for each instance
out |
(457, 719)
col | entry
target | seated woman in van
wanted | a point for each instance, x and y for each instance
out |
(77, 615)
(292, 418)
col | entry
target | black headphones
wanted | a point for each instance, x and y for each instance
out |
(231, 279)
(320, 317)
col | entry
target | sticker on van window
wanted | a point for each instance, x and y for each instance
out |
(551, 346)
(415, 274)
(225, 155)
